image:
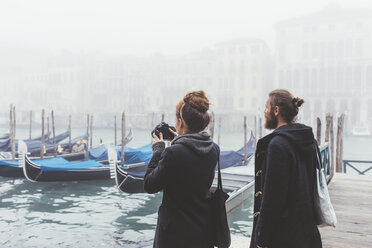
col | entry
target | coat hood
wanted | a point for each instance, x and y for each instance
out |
(299, 134)
(201, 143)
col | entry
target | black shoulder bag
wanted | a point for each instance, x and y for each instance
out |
(221, 230)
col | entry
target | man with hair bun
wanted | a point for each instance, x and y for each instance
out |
(285, 168)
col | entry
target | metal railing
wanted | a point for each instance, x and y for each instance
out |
(348, 163)
(325, 157)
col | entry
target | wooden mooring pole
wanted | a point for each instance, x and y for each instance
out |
(30, 131)
(245, 140)
(219, 130)
(48, 133)
(11, 130)
(255, 127)
(329, 138)
(42, 134)
(54, 136)
(318, 131)
(122, 138)
(211, 126)
(91, 131)
(14, 132)
(69, 129)
(162, 117)
(260, 125)
(87, 143)
(115, 131)
(340, 143)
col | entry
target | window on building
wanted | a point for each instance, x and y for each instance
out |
(331, 78)
(281, 77)
(241, 102)
(369, 79)
(282, 52)
(242, 50)
(296, 79)
(322, 78)
(232, 66)
(331, 49)
(314, 77)
(305, 50)
(348, 78)
(349, 48)
(315, 50)
(232, 50)
(357, 78)
(289, 79)
(340, 49)
(359, 48)
(322, 50)
(306, 78)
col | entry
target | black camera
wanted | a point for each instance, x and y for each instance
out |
(164, 129)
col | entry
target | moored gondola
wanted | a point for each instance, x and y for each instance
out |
(130, 179)
(59, 169)
(13, 169)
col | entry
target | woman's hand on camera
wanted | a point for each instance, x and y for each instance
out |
(157, 139)
(175, 133)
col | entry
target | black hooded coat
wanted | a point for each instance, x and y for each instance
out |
(185, 172)
(284, 187)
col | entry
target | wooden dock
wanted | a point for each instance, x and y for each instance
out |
(351, 196)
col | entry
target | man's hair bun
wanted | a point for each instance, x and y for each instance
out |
(298, 102)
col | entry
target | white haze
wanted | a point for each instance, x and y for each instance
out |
(142, 56)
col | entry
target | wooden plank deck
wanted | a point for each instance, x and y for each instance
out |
(351, 196)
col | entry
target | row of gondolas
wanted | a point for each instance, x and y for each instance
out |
(102, 162)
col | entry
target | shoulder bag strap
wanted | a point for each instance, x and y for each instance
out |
(219, 184)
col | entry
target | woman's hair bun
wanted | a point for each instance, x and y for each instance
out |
(197, 100)
(298, 102)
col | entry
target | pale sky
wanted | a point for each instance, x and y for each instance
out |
(145, 27)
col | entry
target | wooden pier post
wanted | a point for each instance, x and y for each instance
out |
(69, 129)
(255, 128)
(162, 117)
(245, 141)
(318, 131)
(328, 125)
(14, 125)
(54, 136)
(29, 137)
(87, 143)
(122, 137)
(48, 133)
(91, 131)
(332, 134)
(42, 134)
(340, 143)
(219, 130)
(11, 130)
(115, 130)
(329, 137)
(260, 123)
(211, 126)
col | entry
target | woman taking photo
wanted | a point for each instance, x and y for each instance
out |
(184, 172)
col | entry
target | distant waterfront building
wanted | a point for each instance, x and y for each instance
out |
(326, 58)
(234, 75)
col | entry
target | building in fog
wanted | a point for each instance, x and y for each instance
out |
(232, 73)
(326, 58)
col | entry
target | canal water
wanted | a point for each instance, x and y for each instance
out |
(95, 213)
